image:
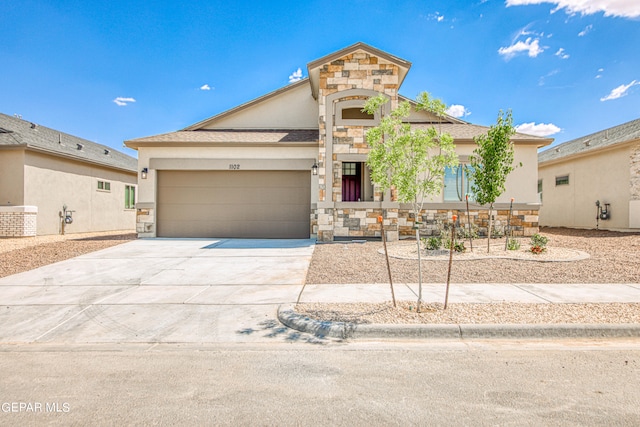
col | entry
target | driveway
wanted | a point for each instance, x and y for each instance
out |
(158, 290)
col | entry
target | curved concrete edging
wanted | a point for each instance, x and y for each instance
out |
(344, 330)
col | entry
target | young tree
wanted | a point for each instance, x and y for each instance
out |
(492, 162)
(410, 160)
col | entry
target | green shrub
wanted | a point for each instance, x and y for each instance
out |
(538, 244)
(513, 244)
(433, 243)
(459, 247)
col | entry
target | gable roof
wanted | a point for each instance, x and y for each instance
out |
(620, 134)
(16, 133)
(313, 67)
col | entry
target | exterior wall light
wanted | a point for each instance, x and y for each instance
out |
(143, 173)
(314, 168)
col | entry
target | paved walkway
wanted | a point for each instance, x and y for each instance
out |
(475, 293)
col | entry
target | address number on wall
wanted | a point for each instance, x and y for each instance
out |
(234, 166)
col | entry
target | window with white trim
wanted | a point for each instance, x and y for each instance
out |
(104, 185)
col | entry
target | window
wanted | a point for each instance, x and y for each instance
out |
(540, 189)
(129, 197)
(104, 185)
(562, 180)
(355, 114)
(457, 183)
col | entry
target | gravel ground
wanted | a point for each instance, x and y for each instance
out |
(612, 258)
(26, 253)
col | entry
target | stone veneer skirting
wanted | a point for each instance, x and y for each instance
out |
(332, 223)
(18, 221)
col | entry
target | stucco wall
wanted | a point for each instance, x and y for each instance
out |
(293, 109)
(11, 178)
(602, 176)
(53, 182)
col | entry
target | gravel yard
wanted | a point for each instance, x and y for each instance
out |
(612, 258)
(26, 253)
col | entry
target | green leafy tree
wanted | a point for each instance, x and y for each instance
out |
(492, 162)
(411, 160)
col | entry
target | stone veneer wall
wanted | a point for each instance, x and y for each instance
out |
(18, 221)
(362, 222)
(522, 223)
(358, 70)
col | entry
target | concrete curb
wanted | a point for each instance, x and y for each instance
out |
(343, 330)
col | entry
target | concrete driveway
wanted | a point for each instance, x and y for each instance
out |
(158, 290)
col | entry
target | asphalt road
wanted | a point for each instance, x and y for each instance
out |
(402, 383)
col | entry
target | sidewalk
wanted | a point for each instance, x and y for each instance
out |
(465, 293)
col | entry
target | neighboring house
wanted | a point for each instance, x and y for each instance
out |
(600, 168)
(42, 171)
(291, 164)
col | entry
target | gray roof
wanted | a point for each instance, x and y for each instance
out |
(468, 131)
(459, 131)
(15, 132)
(234, 136)
(616, 135)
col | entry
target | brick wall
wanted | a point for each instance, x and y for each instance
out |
(18, 221)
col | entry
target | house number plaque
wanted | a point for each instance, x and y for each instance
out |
(234, 166)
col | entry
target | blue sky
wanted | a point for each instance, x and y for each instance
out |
(116, 70)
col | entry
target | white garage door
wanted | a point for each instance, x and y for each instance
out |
(234, 204)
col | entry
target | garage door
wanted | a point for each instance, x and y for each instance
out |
(238, 204)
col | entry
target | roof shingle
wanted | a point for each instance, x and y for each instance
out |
(618, 134)
(18, 132)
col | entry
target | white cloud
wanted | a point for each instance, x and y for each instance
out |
(120, 101)
(562, 54)
(532, 47)
(296, 76)
(621, 8)
(620, 91)
(542, 80)
(540, 129)
(599, 75)
(586, 31)
(456, 110)
(205, 87)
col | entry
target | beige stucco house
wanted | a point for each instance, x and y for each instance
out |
(47, 175)
(291, 164)
(603, 167)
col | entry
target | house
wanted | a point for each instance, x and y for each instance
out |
(593, 181)
(291, 164)
(52, 182)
